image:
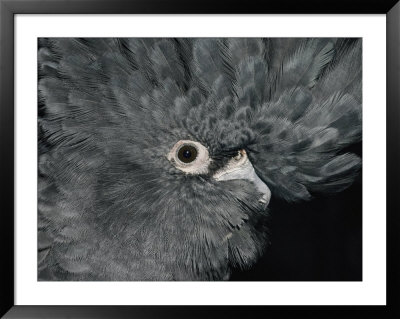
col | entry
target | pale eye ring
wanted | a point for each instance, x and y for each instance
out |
(190, 157)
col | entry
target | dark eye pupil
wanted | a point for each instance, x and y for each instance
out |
(187, 153)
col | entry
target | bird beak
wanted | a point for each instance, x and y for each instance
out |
(240, 167)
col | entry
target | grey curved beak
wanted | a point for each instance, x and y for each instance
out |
(241, 168)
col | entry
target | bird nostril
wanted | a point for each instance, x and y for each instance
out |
(240, 154)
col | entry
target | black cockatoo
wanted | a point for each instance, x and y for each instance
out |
(158, 157)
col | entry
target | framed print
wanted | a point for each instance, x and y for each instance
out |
(222, 133)
(160, 156)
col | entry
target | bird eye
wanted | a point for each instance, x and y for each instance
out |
(187, 153)
(190, 157)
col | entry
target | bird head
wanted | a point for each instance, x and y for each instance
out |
(158, 157)
(189, 183)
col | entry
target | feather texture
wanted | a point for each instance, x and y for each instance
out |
(112, 207)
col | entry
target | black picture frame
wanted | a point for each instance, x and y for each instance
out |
(9, 8)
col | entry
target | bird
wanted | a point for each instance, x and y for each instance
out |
(158, 158)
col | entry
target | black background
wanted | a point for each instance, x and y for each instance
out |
(318, 240)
